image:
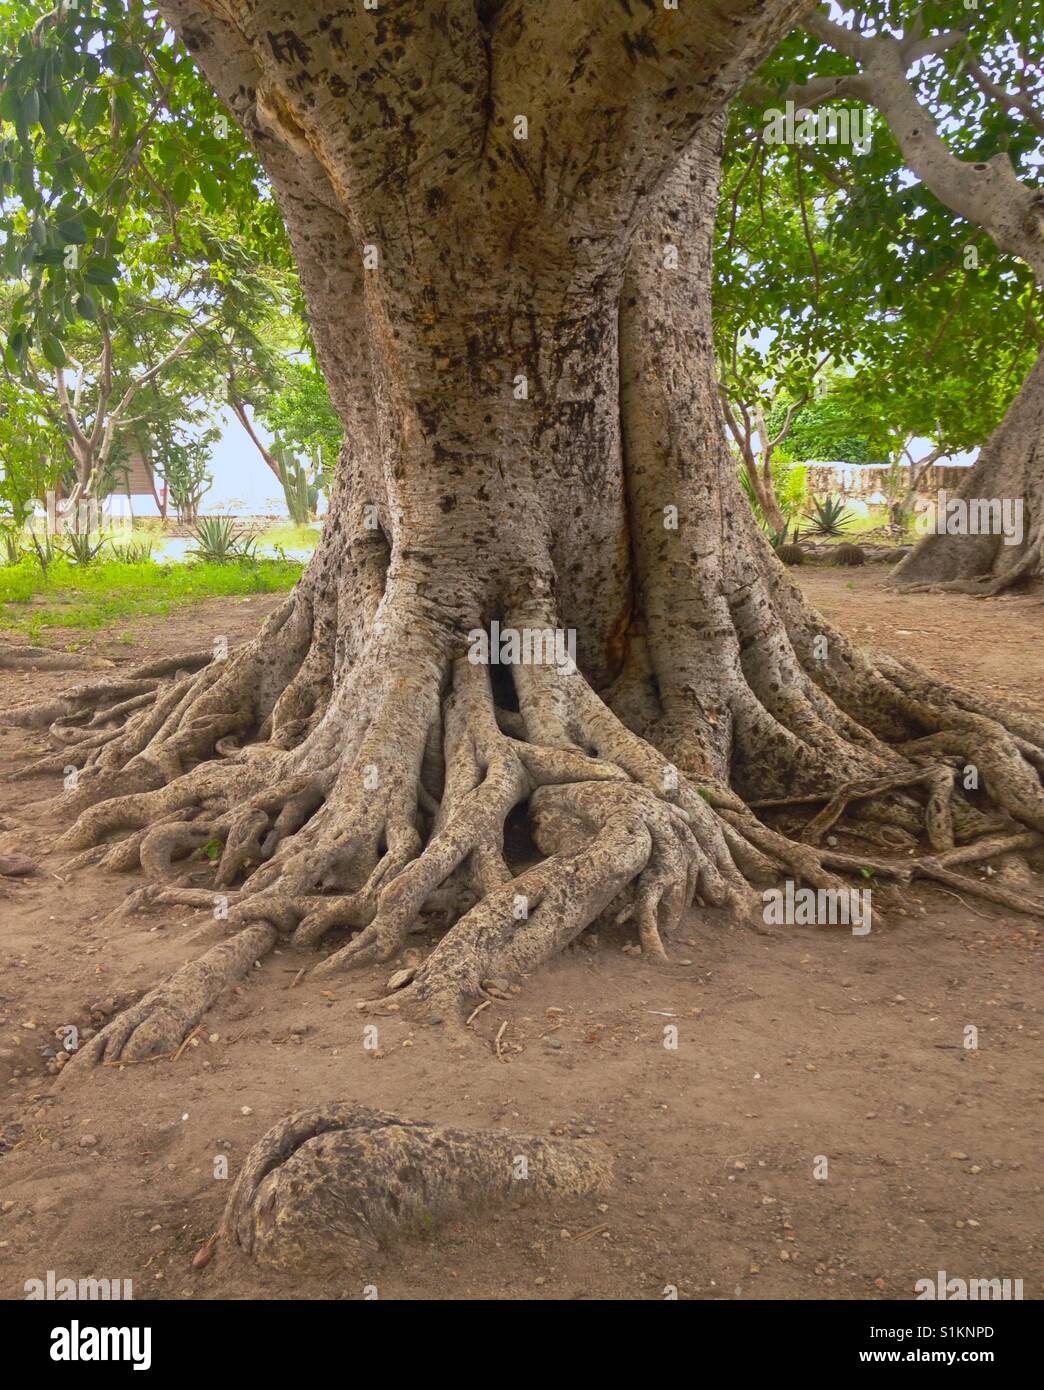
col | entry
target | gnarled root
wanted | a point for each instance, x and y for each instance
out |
(15, 657)
(333, 1184)
(378, 804)
(160, 1021)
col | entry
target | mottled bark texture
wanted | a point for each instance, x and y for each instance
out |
(517, 335)
(333, 1184)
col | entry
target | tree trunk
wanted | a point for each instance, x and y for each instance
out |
(535, 442)
(773, 513)
(764, 490)
(239, 410)
(958, 553)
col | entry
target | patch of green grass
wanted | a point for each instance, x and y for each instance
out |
(877, 516)
(108, 592)
(290, 537)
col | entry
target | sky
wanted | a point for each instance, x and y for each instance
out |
(243, 483)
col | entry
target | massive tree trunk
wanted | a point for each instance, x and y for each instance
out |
(534, 440)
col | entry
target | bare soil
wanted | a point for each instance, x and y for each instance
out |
(803, 1045)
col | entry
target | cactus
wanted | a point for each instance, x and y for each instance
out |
(849, 555)
(300, 496)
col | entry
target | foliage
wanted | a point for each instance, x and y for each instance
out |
(137, 552)
(44, 551)
(32, 458)
(790, 485)
(219, 541)
(182, 459)
(830, 255)
(301, 417)
(828, 517)
(109, 130)
(82, 548)
(831, 428)
(135, 290)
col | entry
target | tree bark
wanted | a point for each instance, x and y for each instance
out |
(535, 440)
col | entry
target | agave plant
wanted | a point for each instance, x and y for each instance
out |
(44, 548)
(81, 549)
(134, 552)
(10, 540)
(790, 487)
(219, 540)
(828, 517)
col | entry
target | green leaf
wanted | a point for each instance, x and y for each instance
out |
(73, 232)
(53, 350)
(211, 189)
(95, 106)
(86, 307)
(100, 270)
(124, 107)
(181, 187)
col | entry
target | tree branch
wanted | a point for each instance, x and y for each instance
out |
(837, 36)
(1019, 101)
(239, 409)
(986, 193)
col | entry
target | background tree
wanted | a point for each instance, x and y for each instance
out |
(831, 427)
(962, 106)
(301, 417)
(32, 458)
(773, 345)
(180, 458)
(271, 382)
(117, 238)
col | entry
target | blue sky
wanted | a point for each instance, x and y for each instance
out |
(243, 483)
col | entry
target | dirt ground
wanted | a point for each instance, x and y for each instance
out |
(804, 1045)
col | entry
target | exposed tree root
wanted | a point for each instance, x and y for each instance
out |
(157, 1024)
(378, 805)
(987, 586)
(14, 657)
(338, 1182)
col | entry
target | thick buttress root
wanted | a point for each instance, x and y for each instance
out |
(378, 804)
(157, 1024)
(336, 1183)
